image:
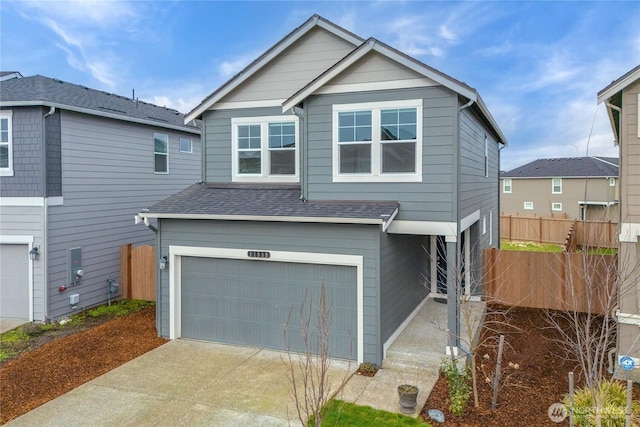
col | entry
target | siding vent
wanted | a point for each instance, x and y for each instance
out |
(258, 254)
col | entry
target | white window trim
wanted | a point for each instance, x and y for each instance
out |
(484, 225)
(376, 146)
(553, 186)
(504, 185)
(556, 206)
(8, 114)
(264, 176)
(190, 144)
(530, 204)
(156, 153)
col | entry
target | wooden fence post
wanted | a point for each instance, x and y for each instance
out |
(125, 271)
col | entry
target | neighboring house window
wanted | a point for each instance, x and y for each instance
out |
(161, 152)
(185, 145)
(265, 148)
(484, 225)
(556, 206)
(528, 205)
(612, 182)
(379, 141)
(6, 143)
(486, 157)
(506, 185)
(556, 185)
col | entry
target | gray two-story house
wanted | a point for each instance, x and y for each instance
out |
(75, 165)
(337, 160)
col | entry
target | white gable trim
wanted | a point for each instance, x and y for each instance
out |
(369, 86)
(358, 53)
(618, 86)
(276, 50)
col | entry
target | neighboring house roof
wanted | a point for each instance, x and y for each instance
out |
(6, 75)
(375, 45)
(45, 91)
(267, 203)
(265, 58)
(612, 94)
(570, 167)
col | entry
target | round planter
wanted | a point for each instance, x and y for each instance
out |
(408, 395)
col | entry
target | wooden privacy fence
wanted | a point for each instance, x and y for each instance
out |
(556, 281)
(138, 272)
(603, 234)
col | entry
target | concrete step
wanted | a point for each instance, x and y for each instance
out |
(406, 362)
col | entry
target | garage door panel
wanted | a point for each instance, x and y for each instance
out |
(248, 302)
(14, 281)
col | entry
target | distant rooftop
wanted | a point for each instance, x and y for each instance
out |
(40, 90)
(566, 167)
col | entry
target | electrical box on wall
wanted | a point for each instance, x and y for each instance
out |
(75, 265)
(74, 299)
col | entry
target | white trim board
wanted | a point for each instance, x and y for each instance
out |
(23, 240)
(31, 201)
(629, 232)
(175, 278)
(370, 86)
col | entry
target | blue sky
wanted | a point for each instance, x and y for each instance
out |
(537, 65)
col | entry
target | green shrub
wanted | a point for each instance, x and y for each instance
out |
(458, 382)
(612, 396)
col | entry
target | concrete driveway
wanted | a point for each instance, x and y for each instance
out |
(183, 382)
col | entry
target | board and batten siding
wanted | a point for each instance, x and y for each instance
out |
(217, 134)
(276, 236)
(402, 261)
(108, 177)
(28, 221)
(429, 200)
(28, 154)
(302, 62)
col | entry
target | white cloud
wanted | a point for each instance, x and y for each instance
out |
(233, 65)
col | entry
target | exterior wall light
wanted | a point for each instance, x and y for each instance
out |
(34, 253)
(164, 263)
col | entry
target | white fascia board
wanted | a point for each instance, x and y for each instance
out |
(249, 104)
(423, 228)
(16, 240)
(623, 83)
(275, 51)
(99, 113)
(469, 220)
(330, 220)
(22, 201)
(338, 68)
(582, 202)
(388, 222)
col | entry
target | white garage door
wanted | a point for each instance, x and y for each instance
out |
(248, 302)
(14, 282)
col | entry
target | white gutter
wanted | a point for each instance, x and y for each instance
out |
(388, 222)
(98, 113)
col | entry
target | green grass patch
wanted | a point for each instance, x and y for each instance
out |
(339, 413)
(529, 246)
(119, 308)
(602, 251)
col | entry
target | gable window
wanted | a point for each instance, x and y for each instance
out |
(506, 185)
(265, 148)
(161, 152)
(528, 205)
(556, 186)
(556, 206)
(6, 143)
(379, 141)
(186, 145)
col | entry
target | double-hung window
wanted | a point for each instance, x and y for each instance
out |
(377, 142)
(265, 149)
(6, 143)
(556, 186)
(161, 152)
(506, 185)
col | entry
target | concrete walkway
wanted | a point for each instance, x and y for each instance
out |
(9, 324)
(198, 383)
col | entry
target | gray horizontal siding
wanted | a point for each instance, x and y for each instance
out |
(27, 143)
(336, 239)
(429, 200)
(217, 131)
(28, 221)
(402, 261)
(108, 177)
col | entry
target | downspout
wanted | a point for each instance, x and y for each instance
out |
(45, 214)
(302, 119)
(203, 150)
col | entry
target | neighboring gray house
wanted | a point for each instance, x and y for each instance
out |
(329, 159)
(584, 188)
(75, 165)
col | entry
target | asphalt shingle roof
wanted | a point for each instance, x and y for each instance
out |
(566, 167)
(275, 201)
(39, 89)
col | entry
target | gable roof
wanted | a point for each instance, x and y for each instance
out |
(619, 84)
(373, 44)
(265, 58)
(39, 90)
(569, 167)
(279, 203)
